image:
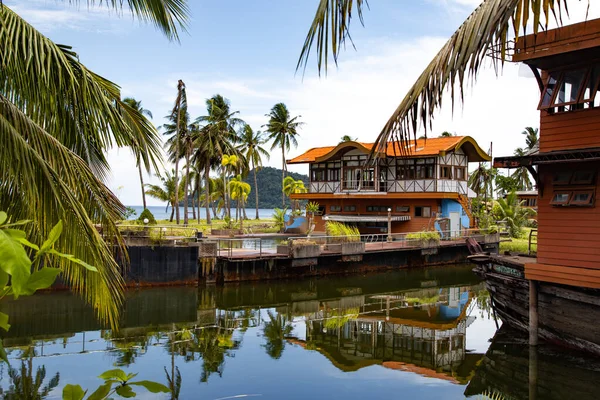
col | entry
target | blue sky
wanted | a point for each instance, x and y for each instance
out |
(247, 51)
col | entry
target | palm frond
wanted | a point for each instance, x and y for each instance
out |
(45, 182)
(166, 15)
(461, 57)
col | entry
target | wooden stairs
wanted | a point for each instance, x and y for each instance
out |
(466, 205)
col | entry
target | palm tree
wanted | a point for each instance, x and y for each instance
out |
(166, 192)
(215, 137)
(229, 163)
(57, 121)
(521, 174)
(251, 146)
(293, 186)
(347, 138)
(512, 211)
(531, 137)
(481, 181)
(486, 29)
(178, 115)
(239, 192)
(446, 134)
(137, 106)
(25, 386)
(283, 130)
(276, 330)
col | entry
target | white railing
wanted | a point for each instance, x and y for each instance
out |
(391, 186)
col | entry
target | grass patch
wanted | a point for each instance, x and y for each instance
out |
(266, 225)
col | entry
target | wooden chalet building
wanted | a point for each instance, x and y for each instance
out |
(425, 189)
(565, 276)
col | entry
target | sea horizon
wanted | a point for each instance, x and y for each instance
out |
(160, 212)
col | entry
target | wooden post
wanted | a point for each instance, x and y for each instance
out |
(533, 373)
(533, 313)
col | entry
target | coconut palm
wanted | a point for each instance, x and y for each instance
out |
(251, 146)
(531, 137)
(57, 120)
(481, 181)
(24, 385)
(293, 186)
(166, 192)
(282, 129)
(490, 28)
(178, 116)
(239, 192)
(521, 174)
(216, 137)
(137, 106)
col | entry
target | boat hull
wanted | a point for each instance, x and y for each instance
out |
(567, 315)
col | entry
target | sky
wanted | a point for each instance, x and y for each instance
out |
(247, 51)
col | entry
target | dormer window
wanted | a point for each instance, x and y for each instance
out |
(568, 90)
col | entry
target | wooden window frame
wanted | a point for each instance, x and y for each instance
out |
(351, 208)
(550, 108)
(334, 208)
(578, 203)
(449, 169)
(463, 172)
(565, 203)
(586, 75)
(423, 211)
(589, 181)
(402, 209)
(556, 182)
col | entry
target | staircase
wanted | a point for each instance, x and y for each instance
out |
(466, 205)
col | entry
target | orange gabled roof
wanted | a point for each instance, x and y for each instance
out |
(420, 148)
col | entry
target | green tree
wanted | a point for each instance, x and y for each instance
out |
(279, 218)
(505, 184)
(347, 138)
(489, 27)
(446, 134)
(481, 181)
(216, 136)
(251, 146)
(511, 211)
(240, 191)
(283, 130)
(178, 116)
(138, 150)
(531, 137)
(166, 192)
(57, 121)
(293, 186)
(25, 386)
(521, 175)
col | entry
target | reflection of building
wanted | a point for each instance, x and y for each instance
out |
(428, 183)
(421, 331)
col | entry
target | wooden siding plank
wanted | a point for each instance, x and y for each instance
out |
(564, 280)
(567, 261)
(562, 269)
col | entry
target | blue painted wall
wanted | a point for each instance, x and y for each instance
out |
(449, 206)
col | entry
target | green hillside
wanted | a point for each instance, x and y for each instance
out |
(269, 187)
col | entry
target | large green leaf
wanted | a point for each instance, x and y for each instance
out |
(42, 279)
(73, 259)
(117, 374)
(153, 387)
(3, 217)
(52, 237)
(4, 321)
(14, 260)
(101, 392)
(73, 392)
(125, 391)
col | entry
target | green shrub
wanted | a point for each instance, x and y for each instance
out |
(147, 214)
(424, 235)
(342, 232)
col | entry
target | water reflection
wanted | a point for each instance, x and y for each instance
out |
(422, 332)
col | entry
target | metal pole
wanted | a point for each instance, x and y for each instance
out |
(389, 230)
(533, 313)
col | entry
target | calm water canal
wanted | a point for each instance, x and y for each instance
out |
(418, 334)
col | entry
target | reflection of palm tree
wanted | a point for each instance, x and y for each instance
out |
(276, 330)
(24, 386)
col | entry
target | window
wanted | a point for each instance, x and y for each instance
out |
(424, 171)
(562, 178)
(424, 212)
(349, 208)
(403, 209)
(333, 175)
(459, 173)
(335, 208)
(445, 172)
(571, 90)
(560, 198)
(318, 173)
(582, 198)
(377, 208)
(583, 178)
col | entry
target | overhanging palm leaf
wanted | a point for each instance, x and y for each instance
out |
(45, 182)
(486, 29)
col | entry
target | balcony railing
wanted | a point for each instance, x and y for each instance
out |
(391, 186)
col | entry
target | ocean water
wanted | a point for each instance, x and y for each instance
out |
(159, 212)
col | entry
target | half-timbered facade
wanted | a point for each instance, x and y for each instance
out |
(424, 188)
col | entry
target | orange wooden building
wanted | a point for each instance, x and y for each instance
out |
(566, 62)
(423, 190)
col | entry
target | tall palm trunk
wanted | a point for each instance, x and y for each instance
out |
(177, 168)
(186, 187)
(142, 183)
(172, 212)
(207, 192)
(255, 188)
(241, 206)
(282, 174)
